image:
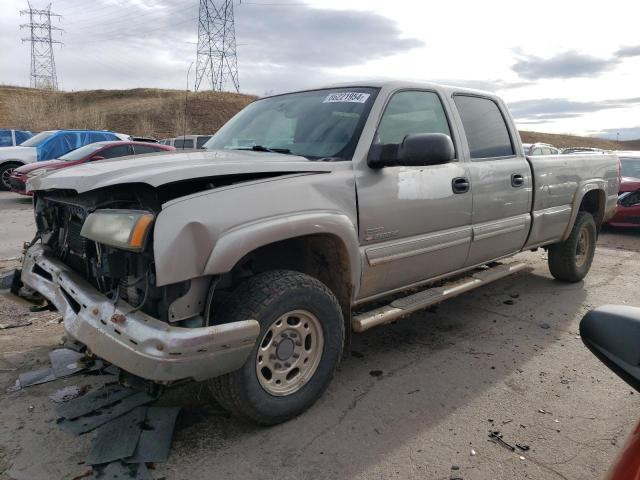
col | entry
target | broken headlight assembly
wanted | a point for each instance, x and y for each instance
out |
(125, 229)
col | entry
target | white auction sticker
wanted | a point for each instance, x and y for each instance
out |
(353, 97)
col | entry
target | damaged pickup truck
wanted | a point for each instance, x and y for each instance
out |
(249, 265)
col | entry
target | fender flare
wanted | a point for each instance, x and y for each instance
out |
(583, 189)
(236, 243)
(12, 160)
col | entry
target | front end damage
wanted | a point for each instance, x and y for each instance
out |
(110, 302)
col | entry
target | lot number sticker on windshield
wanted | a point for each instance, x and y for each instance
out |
(353, 97)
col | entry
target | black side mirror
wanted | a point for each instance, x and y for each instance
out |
(612, 333)
(416, 150)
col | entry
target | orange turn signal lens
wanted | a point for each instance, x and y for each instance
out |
(139, 232)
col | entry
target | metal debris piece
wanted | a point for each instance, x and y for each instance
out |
(68, 393)
(15, 323)
(156, 436)
(118, 471)
(117, 439)
(524, 448)
(99, 417)
(496, 437)
(108, 395)
(36, 377)
(66, 362)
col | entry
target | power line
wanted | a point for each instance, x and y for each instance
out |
(216, 61)
(43, 65)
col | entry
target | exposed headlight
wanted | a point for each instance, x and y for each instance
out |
(126, 229)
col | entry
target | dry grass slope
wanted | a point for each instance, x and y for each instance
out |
(160, 113)
(143, 111)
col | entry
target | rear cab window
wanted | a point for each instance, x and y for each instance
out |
(180, 143)
(202, 140)
(485, 127)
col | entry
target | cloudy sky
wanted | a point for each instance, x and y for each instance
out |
(563, 66)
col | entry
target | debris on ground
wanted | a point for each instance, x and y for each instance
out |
(35, 377)
(545, 326)
(119, 470)
(524, 448)
(509, 302)
(376, 373)
(473, 452)
(66, 362)
(68, 393)
(117, 439)
(15, 323)
(496, 437)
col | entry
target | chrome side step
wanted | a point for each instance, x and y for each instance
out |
(426, 298)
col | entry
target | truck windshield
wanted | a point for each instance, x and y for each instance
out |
(315, 124)
(38, 139)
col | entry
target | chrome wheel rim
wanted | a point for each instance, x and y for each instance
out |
(5, 176)
(582, 249)
(289, 352)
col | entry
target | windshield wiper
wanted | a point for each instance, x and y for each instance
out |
(262, 148)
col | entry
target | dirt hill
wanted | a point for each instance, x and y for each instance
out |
(160, 113)
(143, 111)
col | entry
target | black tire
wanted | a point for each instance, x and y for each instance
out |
(570, 260)
(5, 171)
(266, 297)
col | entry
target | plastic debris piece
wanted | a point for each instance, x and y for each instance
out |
(118, 438)
(521, 457)
(473, 452)
(156, 436)
(100, 398)
(68, 393)
(65, 362)
(99, 417)
(36, 377)
(118, 471)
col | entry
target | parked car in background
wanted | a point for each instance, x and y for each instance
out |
(540, 149)
(569, 150)
(48, 145)
(628, 209)
(612, 333)
(88, 153)
(11, 138)
(186, 141)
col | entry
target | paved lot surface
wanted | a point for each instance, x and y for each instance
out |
(16, 223)
(475, 364)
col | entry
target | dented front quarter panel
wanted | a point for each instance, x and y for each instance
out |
(214, 229)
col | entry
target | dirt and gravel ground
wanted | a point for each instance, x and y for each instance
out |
(488, 360)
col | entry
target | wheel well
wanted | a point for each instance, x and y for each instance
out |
(322, 256)
(593, 202)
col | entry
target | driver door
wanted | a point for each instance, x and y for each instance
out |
(415, 222)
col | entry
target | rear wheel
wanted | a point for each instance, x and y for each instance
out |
(5, 172)
(571, 260)
(297, 352)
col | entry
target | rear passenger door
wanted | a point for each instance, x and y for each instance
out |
(500, 180)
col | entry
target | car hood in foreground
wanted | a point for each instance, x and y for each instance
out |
(156, 170)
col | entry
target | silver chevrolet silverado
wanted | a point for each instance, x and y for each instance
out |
(249, 265)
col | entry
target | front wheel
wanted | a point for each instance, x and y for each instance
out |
(296, 354)
(5, 172)
(570, 260)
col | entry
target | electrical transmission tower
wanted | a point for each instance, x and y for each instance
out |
(43, 65)
(217, 62)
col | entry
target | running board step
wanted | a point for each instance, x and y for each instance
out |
(426, 298)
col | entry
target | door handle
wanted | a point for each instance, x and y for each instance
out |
(460, 185)
(517, 180)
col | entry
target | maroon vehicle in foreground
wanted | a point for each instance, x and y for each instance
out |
(612, 333)
(88, 153)
(628, 209)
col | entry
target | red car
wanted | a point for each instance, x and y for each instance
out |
(628, 211)
(88, 153)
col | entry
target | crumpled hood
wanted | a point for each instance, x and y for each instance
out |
(25, 154)
(160, 169)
